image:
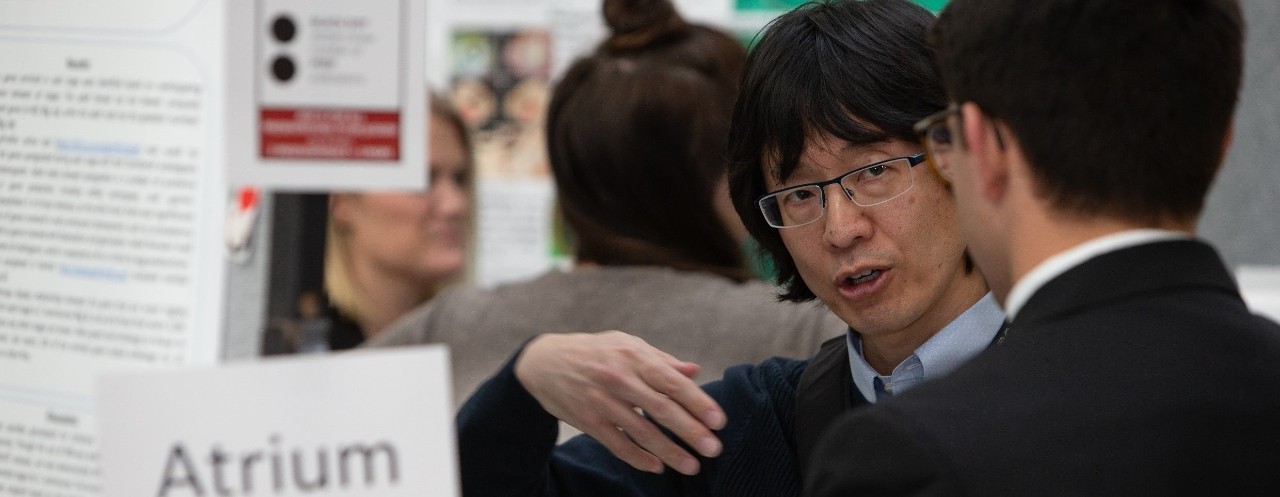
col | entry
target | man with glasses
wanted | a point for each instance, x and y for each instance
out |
(1084, 138)
(825, 172)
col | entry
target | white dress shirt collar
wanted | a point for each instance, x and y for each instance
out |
(1063, 261)
(960, 340)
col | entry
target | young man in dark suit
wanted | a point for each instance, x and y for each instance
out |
(1082, 141)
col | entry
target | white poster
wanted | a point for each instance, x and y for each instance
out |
(117, 122)
(515, 230)
(328, 95)
(1260, 287)
(370, 424)
(112, 193)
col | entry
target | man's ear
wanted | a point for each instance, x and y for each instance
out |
(989, 161)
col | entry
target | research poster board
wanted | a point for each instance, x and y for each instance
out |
(117, 212)
(112, 192)
(500, 84)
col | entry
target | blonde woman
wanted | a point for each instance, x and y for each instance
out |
(388, 252)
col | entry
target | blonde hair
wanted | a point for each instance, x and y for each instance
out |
(339, 286)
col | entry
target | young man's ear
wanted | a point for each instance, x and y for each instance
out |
(986, 152)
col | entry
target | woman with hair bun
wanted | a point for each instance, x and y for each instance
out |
(636, 136)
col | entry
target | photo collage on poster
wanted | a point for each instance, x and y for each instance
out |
(500, 85)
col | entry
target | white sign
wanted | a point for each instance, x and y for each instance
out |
(1260, 288)
(327, 94)
(371, 423)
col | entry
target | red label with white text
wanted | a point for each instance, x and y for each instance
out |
(337, 134)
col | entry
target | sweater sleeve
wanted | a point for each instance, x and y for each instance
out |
(507, 447)
(507, 444)
(504, 438)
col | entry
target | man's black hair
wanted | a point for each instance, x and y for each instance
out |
(859, 71)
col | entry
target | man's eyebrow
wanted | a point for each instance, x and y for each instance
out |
(776, 169)
(869, 147)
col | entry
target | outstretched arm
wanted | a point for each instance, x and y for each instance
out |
(507, 436)
(601, 383)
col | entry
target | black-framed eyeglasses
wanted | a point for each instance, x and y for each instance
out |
(935, 136)
(869, 185)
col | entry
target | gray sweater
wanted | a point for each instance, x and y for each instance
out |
(694, 316)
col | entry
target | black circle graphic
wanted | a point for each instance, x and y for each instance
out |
(284, 29)
(283, 68)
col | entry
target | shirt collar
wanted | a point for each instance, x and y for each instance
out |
(960, 340)
(1061, 262)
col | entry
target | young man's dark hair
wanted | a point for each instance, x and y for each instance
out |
(1091, 145)
(799, 83)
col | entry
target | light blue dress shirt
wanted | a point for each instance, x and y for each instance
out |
(953, 345)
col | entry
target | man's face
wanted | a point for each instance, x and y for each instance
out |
(889, 270)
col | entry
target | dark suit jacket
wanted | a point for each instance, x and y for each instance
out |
(1139, 372)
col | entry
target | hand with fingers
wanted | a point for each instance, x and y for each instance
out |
(600, 383)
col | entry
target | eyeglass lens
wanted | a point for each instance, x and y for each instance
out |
(866, 187)
(937, 144)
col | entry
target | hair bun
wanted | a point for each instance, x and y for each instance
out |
(636, 24)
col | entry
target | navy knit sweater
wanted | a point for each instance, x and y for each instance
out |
(507, 444)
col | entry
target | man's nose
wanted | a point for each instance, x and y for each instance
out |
(846, 221)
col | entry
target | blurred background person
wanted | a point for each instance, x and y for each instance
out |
(311, 333)
(388, 252)
(636, 135)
